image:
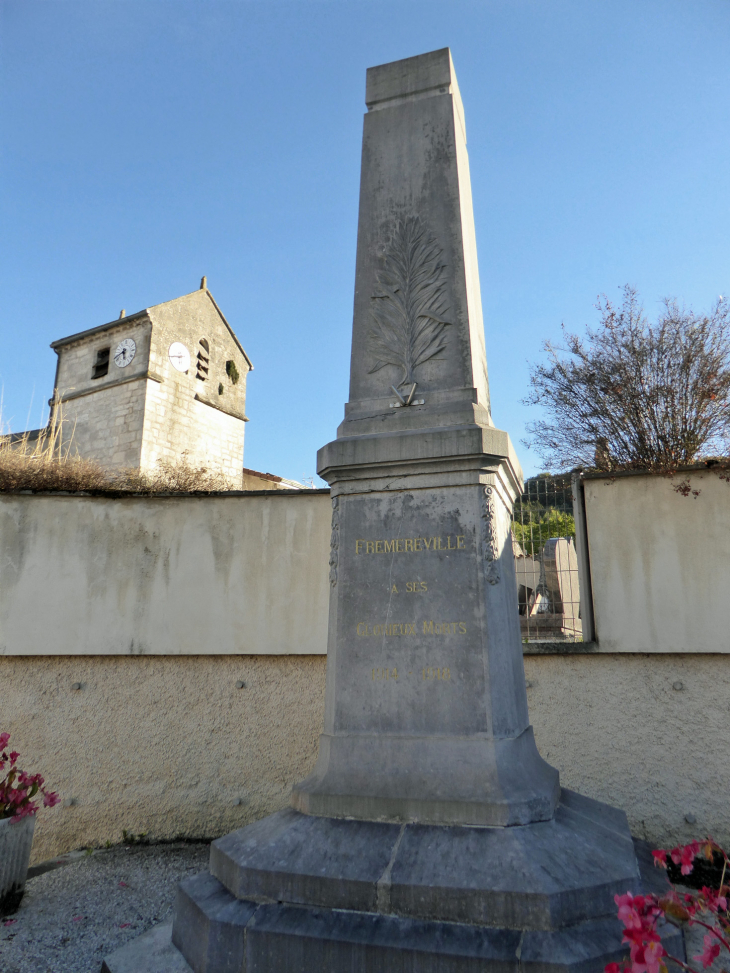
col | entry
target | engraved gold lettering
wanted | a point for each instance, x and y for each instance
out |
(411, 545)
(436, 673)
(411, 628)
(444, 628)
(394, 590)
(383, 673)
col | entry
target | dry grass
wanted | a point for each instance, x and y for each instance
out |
(174, 477)
(50, 463)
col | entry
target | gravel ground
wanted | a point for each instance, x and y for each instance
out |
(72, 917)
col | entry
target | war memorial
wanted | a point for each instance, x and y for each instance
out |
(431, 836)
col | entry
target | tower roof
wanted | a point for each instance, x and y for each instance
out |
(129, 318)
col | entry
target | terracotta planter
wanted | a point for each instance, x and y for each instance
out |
(15, 843)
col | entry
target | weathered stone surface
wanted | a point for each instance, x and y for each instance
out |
(542, 876)
(280, 936)
(426, 712)
(152, 952)
(294, 857)
(210, 924)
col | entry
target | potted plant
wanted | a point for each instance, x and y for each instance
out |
(20, 794)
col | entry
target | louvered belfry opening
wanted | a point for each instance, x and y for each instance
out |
(101, 364)
(203, 363)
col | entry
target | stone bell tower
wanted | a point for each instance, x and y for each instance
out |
(166, 382)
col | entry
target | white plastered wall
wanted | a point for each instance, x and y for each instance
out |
(218, 575)
(660, 566)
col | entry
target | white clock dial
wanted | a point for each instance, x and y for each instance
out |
(179, 356)
(124, 352)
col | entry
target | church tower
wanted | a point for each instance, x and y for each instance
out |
(165, 383)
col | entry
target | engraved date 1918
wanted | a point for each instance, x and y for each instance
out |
(430, 672)
(427, 672)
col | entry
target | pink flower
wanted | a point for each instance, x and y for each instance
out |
(51, 799)
(9, 922)
(4, 737)
(660, 857)
(710, 953)
(653, 954)
(14, 758)
(685, 856)
(713, 900)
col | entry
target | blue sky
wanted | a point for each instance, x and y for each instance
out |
(144, 144)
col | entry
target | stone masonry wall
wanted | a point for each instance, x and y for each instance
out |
(165, 414)
(107, 425)
(102, 419)
(76, 360)
(176, 422)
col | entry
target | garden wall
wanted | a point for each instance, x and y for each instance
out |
(659, 562)
(223, 574)
(170, 746)
(226, 599)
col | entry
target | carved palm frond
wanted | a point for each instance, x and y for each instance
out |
(408, 313)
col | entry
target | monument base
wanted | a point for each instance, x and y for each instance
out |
(300, 893)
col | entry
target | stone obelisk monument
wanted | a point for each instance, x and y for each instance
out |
(431, 835)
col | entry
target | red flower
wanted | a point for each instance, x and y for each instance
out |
(4, 737)
(660, 857)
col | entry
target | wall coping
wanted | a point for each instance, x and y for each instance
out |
(128, 495)
(711, 466)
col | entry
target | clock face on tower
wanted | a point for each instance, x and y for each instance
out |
(124, 352)
(179, 356)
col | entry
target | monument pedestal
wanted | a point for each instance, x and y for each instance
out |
(295, 893)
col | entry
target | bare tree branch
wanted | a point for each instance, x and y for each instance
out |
(631, 394)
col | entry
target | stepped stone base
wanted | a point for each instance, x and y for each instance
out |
(297, 893)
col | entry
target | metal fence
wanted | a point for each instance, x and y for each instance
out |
(546, 561)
